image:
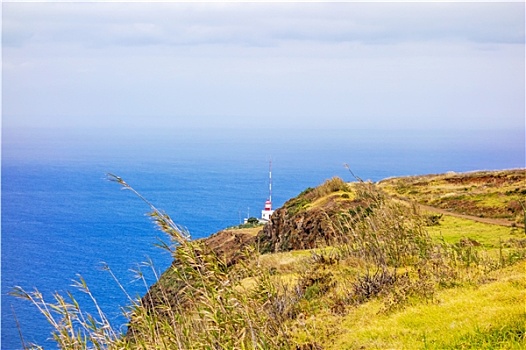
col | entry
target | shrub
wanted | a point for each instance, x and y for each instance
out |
(370, 285)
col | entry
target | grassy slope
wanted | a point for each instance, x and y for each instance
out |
(471, 315)
(490, 315)
(462, 317)
(466, 317)
(491, 194)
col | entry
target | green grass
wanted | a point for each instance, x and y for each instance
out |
(488, 316)
(335, 196)
(453, 229)
(284, 262)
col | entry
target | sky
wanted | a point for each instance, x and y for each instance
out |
(389, 65)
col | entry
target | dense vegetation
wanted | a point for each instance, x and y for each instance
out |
(391, 276)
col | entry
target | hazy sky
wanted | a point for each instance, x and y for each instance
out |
(307, 65)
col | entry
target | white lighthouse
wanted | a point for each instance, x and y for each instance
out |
(267, 211)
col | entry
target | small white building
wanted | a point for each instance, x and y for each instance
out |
(267, 212)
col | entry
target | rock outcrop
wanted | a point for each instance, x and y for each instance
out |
(307, 221)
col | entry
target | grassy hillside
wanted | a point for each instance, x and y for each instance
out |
(384, 269)
(485, 194)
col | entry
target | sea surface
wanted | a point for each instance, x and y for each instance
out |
(61, 217)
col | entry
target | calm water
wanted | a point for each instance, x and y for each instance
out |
(61, 217)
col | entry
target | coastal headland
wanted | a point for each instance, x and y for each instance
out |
(431, 261)
(415, 262)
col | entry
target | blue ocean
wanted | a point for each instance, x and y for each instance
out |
(61, 217)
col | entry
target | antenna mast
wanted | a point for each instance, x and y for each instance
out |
(267, 211)
(270, 181)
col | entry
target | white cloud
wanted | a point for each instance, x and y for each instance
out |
(384, 63)
(260, 23)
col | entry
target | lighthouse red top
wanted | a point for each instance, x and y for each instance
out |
(268, 205)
